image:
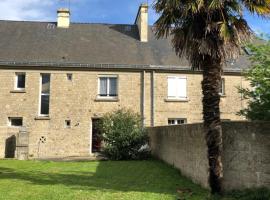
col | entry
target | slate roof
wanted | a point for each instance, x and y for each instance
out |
(87, 45)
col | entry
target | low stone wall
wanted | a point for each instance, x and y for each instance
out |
(246, 152)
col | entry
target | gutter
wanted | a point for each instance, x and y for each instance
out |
(107, 66)
(143, 97)
(153, 98)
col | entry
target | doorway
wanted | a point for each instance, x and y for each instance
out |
(96, 138)
(10, 147)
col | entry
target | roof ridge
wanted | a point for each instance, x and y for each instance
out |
(89, 23)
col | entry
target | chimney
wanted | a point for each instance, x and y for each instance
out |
(63, 18)
(142, 22)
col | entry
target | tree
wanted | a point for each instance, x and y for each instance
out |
(207, 32)
(259, 76)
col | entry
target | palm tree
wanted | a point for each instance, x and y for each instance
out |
(207, 33)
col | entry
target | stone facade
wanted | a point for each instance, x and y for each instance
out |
(76, 100)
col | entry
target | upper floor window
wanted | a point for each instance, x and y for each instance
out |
(69, 77)
(20, 81)
(177, 121)
(177, 87)
(108, 86)
(45, 94)
(222, 87)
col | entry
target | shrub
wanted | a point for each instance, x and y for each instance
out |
(124, 136)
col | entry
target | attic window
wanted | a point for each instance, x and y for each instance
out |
(127, 28)
(232, 61)
(248, 51)
(50, 26)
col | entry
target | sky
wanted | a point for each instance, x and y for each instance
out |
(92, 11)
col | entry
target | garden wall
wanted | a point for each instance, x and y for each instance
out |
(246, 152)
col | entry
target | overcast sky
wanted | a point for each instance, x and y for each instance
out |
(93, 11)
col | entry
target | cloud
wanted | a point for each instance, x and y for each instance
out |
(26, 9)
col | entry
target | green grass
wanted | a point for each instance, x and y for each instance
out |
(107, 180)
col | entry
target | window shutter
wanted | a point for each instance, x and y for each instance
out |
(172, 87)
(181, 87)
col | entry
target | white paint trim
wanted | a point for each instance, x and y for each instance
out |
(16, 80)
(108, 76)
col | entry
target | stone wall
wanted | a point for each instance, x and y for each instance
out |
(184, 147)
(246, 152)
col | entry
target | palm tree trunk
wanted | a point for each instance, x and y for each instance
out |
(211, 114)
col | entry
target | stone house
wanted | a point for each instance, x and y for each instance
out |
(58, 79)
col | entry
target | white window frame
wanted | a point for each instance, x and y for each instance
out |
(43, 94)
(108, 86)
(176, 97)
(16, 80)
(175, 121)
(222, 82)
(11, 118)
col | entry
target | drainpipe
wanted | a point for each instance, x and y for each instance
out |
(143, 97)
(153, 98)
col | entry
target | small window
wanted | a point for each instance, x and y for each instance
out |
(15, 121)
(68, 123)
(69, 77)
(222, 87)
(20, 81)
(177, 87)
(177, 121)
(108, 87)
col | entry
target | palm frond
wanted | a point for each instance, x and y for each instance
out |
(259, 7)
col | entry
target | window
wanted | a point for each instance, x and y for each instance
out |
(67, 123)
(20, 81)
(222, 87)
(177, 121)
(177, 87)
(45, 94)
(15, 121)
(108, 87)
(69, 77)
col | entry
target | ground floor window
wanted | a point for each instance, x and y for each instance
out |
(177, 121)
(15, 121)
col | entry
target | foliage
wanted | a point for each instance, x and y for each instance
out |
(124, 135)
(259, 76)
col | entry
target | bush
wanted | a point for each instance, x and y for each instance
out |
(124, 136)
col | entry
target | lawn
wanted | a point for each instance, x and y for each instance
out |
(106, 180)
